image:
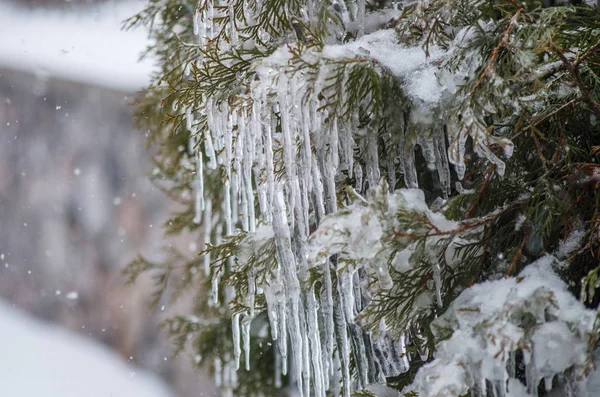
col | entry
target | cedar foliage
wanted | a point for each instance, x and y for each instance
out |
(530, 79)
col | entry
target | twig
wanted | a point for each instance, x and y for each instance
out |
(539, 149)
(515, 258)
(555, 111)
(490, 67)
(586, 54)
(483, 186)
(573, 68)
(480, 262)
(466, 224)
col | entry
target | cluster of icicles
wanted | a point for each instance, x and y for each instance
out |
(249, 141)
(249, 157)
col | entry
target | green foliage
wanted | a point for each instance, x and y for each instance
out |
(531, 75)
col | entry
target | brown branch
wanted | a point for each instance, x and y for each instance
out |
(466, 224)
(560, 145)
(573, 69)
(541, 118)
(586, 54)
(485, 182)
(539, 149)
(503, 42)
(395, 21)
(515, 258)
(517, 4)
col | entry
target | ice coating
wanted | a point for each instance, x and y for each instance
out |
(489, 323)
(280, 153)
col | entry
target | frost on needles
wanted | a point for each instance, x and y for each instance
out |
(378, 188)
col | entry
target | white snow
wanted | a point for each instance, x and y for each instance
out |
(408, 63)
(534, 313)
(39, 359)
(84, 44)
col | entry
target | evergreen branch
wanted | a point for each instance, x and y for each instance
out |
(504, 42)
(573, 70)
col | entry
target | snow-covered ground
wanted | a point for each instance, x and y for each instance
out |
(84, 44)
(38, 359)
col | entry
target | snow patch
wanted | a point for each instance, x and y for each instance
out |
(43, 360)
(411, 64)
(83, 44)
(534, 313)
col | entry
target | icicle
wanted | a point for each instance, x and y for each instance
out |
(289, 146)
(286, 259)
(441, 157)
(428, 150)
(410, 172)
(210, 19)
(403, 352)
(358, 177)
(531, 374)
(296, 341)
(315, 344)
(437, 281)
(390, 163)
(278, 366)
(269, 164)
(189, 119)
(317, 192)
(306, 142)
(360, 358)
(306, 358)
(347, 294)
(202, 17)
(283, 341)
(215, 287)
(199, 201)
(251, 294)
(246, 338)
(511, 365)
(334, 142)
(361, 17)
(328, 172)
(456, 153)
(210, 151)
(227, 208)
(207, 232)
(233, 32)
(347, 149)
(247, 170)
(372, 159)
(327, 310)
(304, 177)
(244, 208)
(548, 383)
(342, 343)
(304, 208)
(235, 330)
(383, 276)
(272, 309)
(196, 20)
(236, 174)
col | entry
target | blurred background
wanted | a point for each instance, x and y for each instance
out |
(76, 206)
